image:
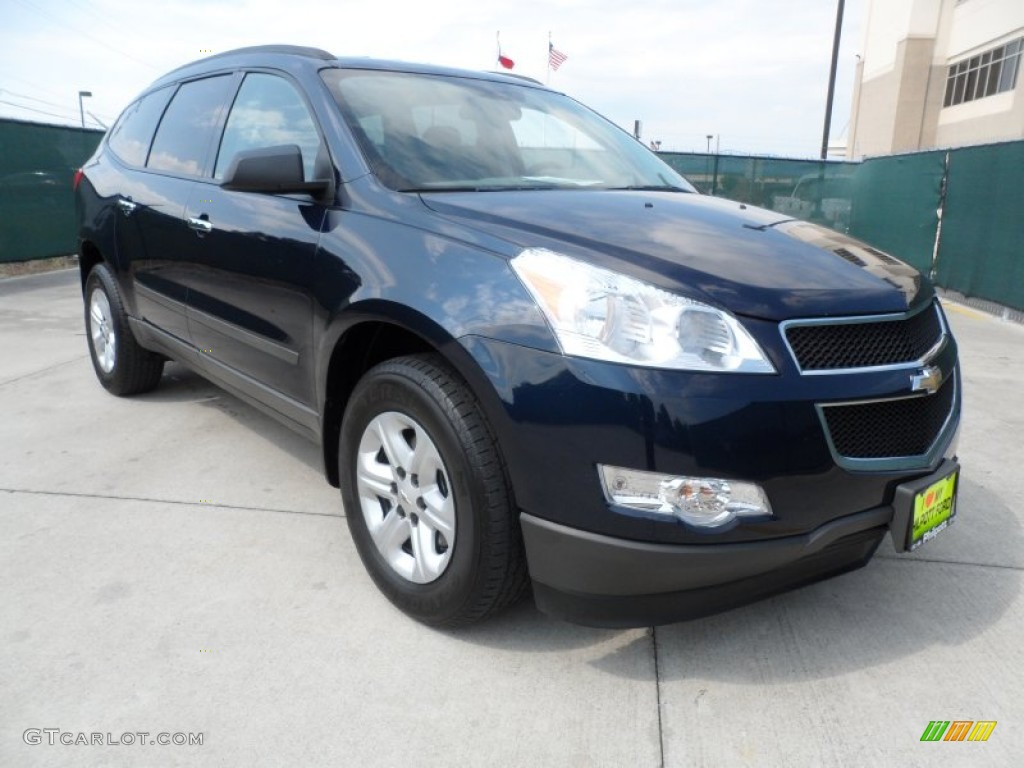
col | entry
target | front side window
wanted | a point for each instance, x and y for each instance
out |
(182, 141)
(268, 112)
(130, 137)
(436, 133)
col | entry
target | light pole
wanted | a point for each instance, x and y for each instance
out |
(710, 136)
(832, 78)
(81, 110)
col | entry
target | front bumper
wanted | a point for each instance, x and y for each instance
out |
(596, 562)
(599, 580)
(558, 418)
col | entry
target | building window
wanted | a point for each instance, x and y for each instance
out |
(983, 75)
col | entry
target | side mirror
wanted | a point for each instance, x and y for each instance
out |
(272, 169)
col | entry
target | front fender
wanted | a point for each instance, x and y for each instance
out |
(435, 286)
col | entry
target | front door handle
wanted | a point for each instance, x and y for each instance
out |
(127, 206)
(200, 225)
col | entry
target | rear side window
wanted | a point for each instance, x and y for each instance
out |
(182, 141)
(130, 137)
(268, 112)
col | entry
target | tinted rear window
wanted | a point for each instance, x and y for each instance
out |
(130, 137)
(183, 140)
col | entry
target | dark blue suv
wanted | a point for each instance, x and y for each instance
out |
(533, 355)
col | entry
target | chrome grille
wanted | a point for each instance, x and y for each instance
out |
(854, 343)
(890, 428)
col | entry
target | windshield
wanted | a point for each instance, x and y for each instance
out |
(439, 133)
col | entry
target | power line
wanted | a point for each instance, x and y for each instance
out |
(67, 116)
(40, 101)
(33, 109)
(108, 23)
(57, 19)
(30, 98)
(32, 85)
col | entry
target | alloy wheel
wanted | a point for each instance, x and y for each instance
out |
(101, 331)
(406, 497)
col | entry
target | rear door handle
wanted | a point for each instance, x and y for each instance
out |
(127, 206)
(202, 226)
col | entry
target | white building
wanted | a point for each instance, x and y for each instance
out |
(938, 73)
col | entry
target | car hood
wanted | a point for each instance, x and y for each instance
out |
(751, 261)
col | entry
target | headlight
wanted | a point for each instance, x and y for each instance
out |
(605, 315)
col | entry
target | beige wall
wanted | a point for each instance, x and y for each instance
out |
(889, 22)
(978, 22)
(874, 115)
(908, 45)
(915, 57)
(933, 106)
(889, 109)
(994, 118)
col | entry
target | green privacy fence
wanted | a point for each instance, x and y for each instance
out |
(889, 202)
(37, 207)
(807, 189)
(893, 203)
(981, 249)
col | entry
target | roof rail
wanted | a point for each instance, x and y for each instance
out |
(515, 75)
(295, 50)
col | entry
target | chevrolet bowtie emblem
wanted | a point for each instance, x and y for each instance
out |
(928, 380)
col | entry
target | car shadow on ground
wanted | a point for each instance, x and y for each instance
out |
(894, 608)
(181, 385)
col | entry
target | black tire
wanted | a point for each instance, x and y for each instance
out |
(486, 570)
(131, 369)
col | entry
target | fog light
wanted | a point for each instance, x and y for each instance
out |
(707, 502)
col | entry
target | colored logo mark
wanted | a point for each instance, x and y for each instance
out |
(958, 730)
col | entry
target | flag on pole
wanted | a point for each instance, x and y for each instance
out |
(555, 57)
(504, 61)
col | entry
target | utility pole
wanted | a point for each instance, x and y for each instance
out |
(832, 78)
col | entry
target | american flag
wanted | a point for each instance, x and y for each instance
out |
(555, 57)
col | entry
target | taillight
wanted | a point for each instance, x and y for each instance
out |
(77, 179)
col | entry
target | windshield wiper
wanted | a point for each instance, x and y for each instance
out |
(439, 189)
(483, 188)
(648, 188)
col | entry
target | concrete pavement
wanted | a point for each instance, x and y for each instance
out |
(176, 563)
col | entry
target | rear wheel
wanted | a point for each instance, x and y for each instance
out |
(122, 366)
(426, 496)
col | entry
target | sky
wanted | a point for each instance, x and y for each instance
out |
(751, 73)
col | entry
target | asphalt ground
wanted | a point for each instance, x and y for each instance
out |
(176, 564)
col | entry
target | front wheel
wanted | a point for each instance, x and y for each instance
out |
(426, 496)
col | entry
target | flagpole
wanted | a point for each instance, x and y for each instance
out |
(547, 78)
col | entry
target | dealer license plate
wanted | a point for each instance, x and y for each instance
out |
(934, 510)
